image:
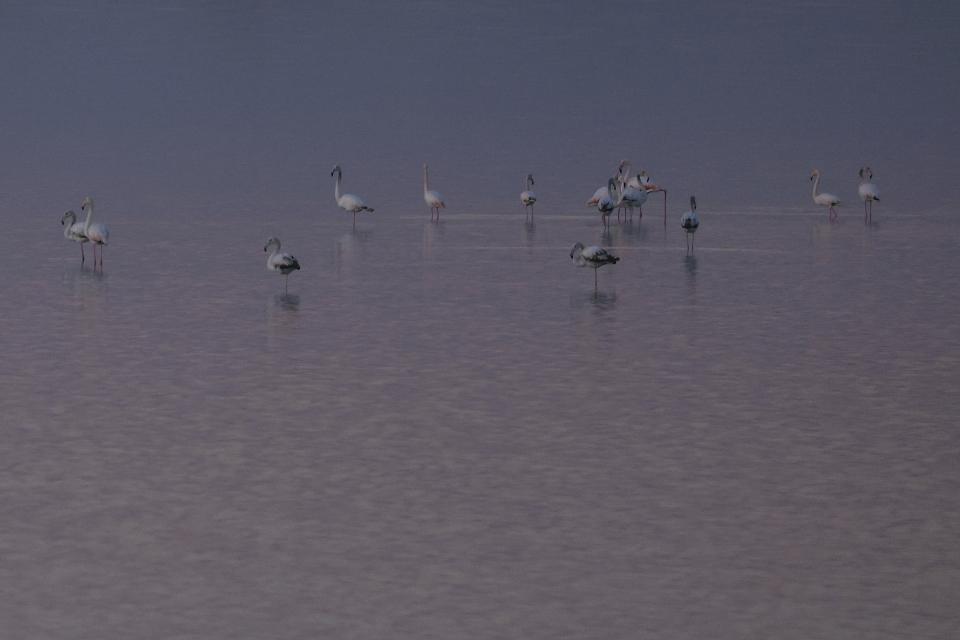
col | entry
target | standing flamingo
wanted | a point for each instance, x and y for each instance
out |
(868, 193)
(73, 230)
(348, 202)
(608, 202)
(690, 222)
(96, 232)
(643, 182)
(433, 198)
(280, 262)
(824, 199)
(601, 192)
(528, 197)
(593, 257)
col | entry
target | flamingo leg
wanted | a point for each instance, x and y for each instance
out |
(83, 257)
(595, 279)
(664, 208)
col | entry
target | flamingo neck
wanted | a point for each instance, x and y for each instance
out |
(86, 224)
(816, 184)
(426, 181)
(68, 222)
(336, 186)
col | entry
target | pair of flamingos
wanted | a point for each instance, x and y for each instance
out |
(867, 191)
(353, 204)
(87, 231)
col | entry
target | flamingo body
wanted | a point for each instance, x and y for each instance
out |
(593, 257)
(433, 198)
(96, 232)
(73, 230)
(823, 199)
(280, 262)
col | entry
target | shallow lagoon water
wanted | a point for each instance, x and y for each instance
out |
(442, 431)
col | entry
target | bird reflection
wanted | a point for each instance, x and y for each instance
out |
(349, 246)
(530, 232)
(288, 301)
(603, 301)
(433, 233)
(690, 263)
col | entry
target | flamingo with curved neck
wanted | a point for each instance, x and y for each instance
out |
(433, 198)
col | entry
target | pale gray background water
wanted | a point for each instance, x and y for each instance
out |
(442, 432)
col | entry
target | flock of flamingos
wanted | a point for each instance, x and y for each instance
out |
(623, 193)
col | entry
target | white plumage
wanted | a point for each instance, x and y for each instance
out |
(824, 199)
(868, 192)
(603, 191)
(433, 198)
(96, 232)
(527, 196)
(279, 262)
(608, 202)
(593, 257)
(73, 230)
(347, 201)
(690, 222)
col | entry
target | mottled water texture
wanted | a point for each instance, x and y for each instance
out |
(442, 431)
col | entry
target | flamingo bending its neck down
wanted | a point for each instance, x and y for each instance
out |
(348, 202)
(96, 232)
(868, 193)
(528, 197)
(280, 262)
(824, 199)
(593, 257)
(690, 222)
(433, 198)
(73, 230)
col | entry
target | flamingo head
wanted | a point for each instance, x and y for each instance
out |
(575, 251)
(693, 203)
(530, 178)
(271, 242)
(336, 169)
(69, 215)
(815, 174)
(87, 202)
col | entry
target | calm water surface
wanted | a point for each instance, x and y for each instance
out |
(442, 432)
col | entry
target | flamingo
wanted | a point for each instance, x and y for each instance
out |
(348, 202)
(868, 193)
(433, 198)
(593, 257)
(96, 232)
(280, 262)
(824, 199)
(642, 181)
(608, 202)
(690, 222)
(73, 230)
(630, 197)
(601, 192)
(528, 197)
